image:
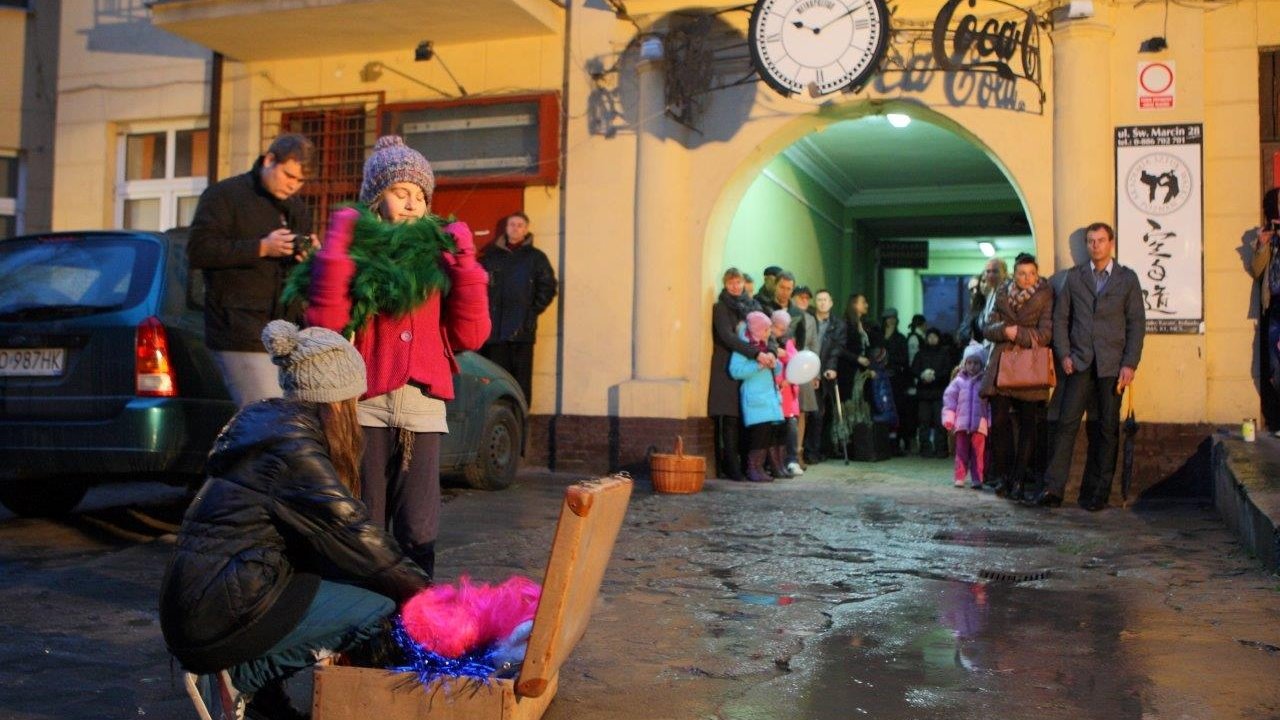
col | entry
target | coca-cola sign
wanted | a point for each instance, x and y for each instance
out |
(1005, 42)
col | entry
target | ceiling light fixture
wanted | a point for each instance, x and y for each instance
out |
(899, 120)
(988, 249)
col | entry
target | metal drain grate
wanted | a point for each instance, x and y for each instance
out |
(1003, 576)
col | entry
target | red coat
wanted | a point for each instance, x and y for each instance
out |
(419, 346)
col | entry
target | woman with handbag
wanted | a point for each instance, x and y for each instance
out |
(1021, 328)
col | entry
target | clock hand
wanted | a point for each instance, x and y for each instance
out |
(841, 16)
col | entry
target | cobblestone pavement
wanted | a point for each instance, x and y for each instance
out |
(853, 591)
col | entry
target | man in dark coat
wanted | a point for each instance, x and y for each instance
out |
(247, 234)
(724, 403)
(898, 363)
(1099, 323)
(831, 344)
(931, 369)
(764, 298)
(521, 286)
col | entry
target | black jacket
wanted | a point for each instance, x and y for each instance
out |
(242, 290)
(723, 396)
(272, 519)
(521, 285)
(936, 358)
(833, 342)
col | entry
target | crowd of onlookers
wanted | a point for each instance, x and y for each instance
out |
(883, 390)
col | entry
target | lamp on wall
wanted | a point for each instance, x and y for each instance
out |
(988, 248)
(1153, 45)
(1158, 43)
(426, 51)
(373, 69)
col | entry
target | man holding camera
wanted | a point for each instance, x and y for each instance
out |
(248, 232)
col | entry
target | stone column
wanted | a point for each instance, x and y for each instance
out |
(658, 386)
(1083, 131)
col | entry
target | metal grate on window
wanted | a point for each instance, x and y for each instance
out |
(343, 128)
(1269, 94)
(8, 177)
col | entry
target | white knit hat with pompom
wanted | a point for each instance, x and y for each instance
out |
(316, 364)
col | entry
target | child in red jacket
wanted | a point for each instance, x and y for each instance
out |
(410, 294)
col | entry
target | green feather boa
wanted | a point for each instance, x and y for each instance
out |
(397, 267)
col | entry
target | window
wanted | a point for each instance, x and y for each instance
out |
(342, 128)
(8, 196)
(503, 140)
(162, 172)
(339, 137)
(1269, 122)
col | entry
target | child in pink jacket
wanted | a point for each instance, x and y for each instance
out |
(783, 456)
(968, 414)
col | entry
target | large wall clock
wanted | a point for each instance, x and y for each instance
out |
(817, 47)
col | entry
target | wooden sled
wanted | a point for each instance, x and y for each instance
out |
(590, 518)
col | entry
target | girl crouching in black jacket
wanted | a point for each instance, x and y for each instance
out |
(276, 560)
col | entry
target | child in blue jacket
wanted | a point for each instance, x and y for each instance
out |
(761, 401)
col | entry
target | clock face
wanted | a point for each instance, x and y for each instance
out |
(817, 46)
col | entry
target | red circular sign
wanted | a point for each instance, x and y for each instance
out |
(1156, 78)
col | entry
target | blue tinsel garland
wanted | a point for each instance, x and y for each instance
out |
(429, 666)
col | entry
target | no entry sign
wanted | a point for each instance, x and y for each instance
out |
(1156, 85)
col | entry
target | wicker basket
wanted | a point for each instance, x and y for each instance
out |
(677, 474)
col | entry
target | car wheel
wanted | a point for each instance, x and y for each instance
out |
(498, 456)
(52, 498)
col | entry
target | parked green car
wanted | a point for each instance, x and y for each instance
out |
(104, 375)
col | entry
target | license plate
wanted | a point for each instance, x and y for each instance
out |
(31, 361)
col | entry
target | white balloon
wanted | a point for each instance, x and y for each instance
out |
(803, 367)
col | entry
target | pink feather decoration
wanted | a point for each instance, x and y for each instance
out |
(454, 621)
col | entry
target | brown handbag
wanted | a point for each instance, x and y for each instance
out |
(1026, 369)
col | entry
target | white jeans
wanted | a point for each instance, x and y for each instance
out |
(249, 376)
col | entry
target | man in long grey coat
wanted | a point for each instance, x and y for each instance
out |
(1099, 321)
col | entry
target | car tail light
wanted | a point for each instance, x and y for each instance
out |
(155, 376)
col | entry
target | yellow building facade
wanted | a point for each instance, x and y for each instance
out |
(645, 212)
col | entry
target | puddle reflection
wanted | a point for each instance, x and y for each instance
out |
(970, 650)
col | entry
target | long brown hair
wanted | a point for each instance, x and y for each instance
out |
(346, 441)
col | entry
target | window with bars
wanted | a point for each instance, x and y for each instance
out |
(1269, 107)
(342, 127)
(8, 195)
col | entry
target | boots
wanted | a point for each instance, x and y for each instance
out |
(777, 459)
(730, 458)
(425, 556)
(755, 466)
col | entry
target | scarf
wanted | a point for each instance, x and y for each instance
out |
(1018, 296)
(739, 304)
(397, 267)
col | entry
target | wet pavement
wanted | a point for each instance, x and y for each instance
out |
(854, 591)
